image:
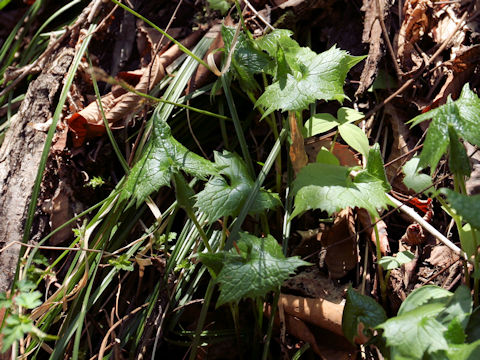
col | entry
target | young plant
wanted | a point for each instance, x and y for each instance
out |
(432, 323)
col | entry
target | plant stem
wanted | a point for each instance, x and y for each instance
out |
(204, 237)
(201, 319)
(270, 325)
(381, 280)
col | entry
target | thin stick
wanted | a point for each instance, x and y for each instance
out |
(387, 40)
(258, 15)
(439, 236)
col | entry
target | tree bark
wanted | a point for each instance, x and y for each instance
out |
(20, 157)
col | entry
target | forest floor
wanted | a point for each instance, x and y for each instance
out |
(116, 220)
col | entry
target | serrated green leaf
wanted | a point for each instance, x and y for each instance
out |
(311, 77)
(221, 5)
(5, 302)
(260, 268)
(14, 329)
(462, 115)
(247, 59)
(394, 262)
(122, 263)
(330, 188)
(28, 300)
(375, 166)
(278, 38)
(25, 285)
(458, 352)
(411, 334)
(424, 295)
(455, 333)
(225, 195)
(360, 309)
(458, 307)
(468, 207)
(163, 157)
(414, 179)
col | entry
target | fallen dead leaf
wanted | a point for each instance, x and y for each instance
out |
(364, 218)
(341, 245)
(345, 156)
(88, 123)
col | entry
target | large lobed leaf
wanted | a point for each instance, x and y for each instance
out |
(305, 77)
(163, 157)
(331, 188)
(259, 268)
(460, 117)
(225, 195)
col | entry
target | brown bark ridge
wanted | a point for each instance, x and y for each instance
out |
(20, 157)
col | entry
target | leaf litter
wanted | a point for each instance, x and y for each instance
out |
(348, 237)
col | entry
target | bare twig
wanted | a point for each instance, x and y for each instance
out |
(439, 236)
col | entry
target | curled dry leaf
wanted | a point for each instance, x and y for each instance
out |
(365, 221)
(118, 103)
(415, 24)
(341, 244)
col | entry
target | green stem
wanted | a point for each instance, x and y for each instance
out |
(256, 187)
(238, 125)
(201, 319)
(270, 325)
(204, 237)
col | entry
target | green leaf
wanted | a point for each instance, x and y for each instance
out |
(411, 334)
(5, 302)
(330, 188)
(28, 300)
(458, 308)
(355, 137)
(311, 77)
(458, 159)
(25, 285)
(320, 123)
(122, 263)
(14, 329)
(247, 60)
(462, 115)
(455, 333)
(466, 239)
(360, 309)
(468, 207)
(458, 352)
(414, 179)
(225, 195)
(473, 326)
(183, 192)
(394, 262)
(424, 295)
(221, 5)
(326, 157)
(375, 166)
(163, 157)
(259, 268)
(276, 40)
